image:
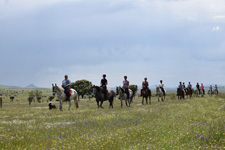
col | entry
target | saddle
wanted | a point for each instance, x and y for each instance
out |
(70, 95)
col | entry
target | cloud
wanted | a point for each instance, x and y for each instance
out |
(217, 29)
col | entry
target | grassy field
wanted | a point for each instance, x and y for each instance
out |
(198, 123)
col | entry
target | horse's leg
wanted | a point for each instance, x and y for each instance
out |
(142, 100)
(97, 103)
(69, 104)
(121, 102)
(150, 99)
(146, 99)
(76, 102)
(60, 104)
(101, 103)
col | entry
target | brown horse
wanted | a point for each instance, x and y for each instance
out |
(180, 93)
(145, 94)
(189, 92)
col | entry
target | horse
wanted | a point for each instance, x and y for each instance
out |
(145, 94)
(61, 96)
(180, 93)
(210, 92)
(97, 92)
(189, 92)
(123, 96)
(197, 92)
(202, 92)
(160, 94)
(216, 92)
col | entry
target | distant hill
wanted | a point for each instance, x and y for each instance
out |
(31, 86)
(9, 87)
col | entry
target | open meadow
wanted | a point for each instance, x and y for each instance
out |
(175, 124)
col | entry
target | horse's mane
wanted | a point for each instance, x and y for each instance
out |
(97, 87)
(58, 87)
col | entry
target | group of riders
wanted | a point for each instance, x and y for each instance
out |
(103, 84)
(199, 88)
(145, 86)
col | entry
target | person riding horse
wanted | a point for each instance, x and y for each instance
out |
(66, 85)
(180, 90)
(161, 86)
(202, 88)
(145, 86)
(103, 86)
(216, 89)
(198, 88)
(184, 88)
(126, 86)
(189, 85)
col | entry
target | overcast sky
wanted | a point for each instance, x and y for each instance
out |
(172, 40)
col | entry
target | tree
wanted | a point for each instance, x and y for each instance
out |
(31, 95)
(134, 88)
(38, 95)
(83, 87)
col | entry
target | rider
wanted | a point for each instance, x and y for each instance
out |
(126, 86)
(198, 87)
(202, 88)
(145, 85)
(189, 85)
(66, 85)
(161, 86)
(210, 87)
(180, 85)
(184, 88)
(103, 85)
(216, 88)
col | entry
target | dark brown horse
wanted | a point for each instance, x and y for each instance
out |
(189, 92)
(145, 94)
(180, 93)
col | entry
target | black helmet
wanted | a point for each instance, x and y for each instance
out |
(160, 80)
(145, 78)
(125, 76)
(104, 75)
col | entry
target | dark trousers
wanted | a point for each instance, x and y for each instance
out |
(127, 92)
(104, 91)
(67, 92)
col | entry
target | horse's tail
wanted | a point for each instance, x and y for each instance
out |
(132, 96)
(113, 94)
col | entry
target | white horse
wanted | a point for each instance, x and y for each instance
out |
(61, 96)
(123, 96)
(160, 94)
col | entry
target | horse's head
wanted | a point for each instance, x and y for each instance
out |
(53, 89)
(117, 90)
(95, 90)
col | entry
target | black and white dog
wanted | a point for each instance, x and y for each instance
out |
(51, 106)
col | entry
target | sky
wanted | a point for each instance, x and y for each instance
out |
(169, 40)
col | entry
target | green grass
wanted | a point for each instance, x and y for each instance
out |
(198, 123)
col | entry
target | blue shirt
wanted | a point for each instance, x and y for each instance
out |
(65, 82)
(189, 85)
